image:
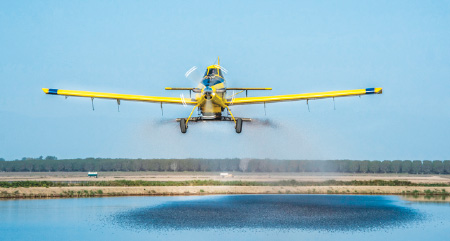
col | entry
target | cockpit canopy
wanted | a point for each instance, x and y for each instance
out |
(213, 71)
(213, 76)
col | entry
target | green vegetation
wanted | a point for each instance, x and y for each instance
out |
(52, 164)
(129, 183)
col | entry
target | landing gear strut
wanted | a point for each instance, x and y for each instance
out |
(183, 126)
(238, 125)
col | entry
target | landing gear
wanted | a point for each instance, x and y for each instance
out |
(183, 126)
(238, 125)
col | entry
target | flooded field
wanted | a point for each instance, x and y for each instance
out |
(221, 217)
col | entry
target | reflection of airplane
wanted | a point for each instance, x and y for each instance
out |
(210, 97)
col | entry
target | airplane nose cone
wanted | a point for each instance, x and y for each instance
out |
(207, 90)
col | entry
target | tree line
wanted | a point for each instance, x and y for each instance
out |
(52, 164)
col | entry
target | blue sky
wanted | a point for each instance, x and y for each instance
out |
(140, 47)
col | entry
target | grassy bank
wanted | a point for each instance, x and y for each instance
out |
(46, 189)
(65, 192)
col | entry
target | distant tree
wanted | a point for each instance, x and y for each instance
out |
(183, 165)
(146, 165)
(427, 166)
(292, 166)
(262, 166)
(374, 166)
(234, 164)
(253, 165)
(214, 165)
(155, 165)
(385, 166)
(223, 165)
(416, 167)
(2, 160)
(344, 165)
(195, 165)
(406, 166)
(203, 165)
(328, 166)
(174, 166)
(282, 166)
(313, 166)
(272, 166)
(438, 167)
(302, 165)
(49, 158)
(29, 166)
(40, 158)
(353, 166)
(243, 164)
(364, 166)
(88, 166)
(48, 167)
(164, 165)
(447, 166)
(396, 166)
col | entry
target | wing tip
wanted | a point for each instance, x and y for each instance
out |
(50, 91)
(374, 90)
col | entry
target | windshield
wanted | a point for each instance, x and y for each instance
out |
(212, 72)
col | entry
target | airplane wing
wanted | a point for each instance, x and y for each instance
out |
(79, 93)
(249, 88)
(307, 96)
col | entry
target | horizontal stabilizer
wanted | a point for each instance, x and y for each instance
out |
(170, 88)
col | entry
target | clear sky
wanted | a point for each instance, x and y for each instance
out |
(140, 47)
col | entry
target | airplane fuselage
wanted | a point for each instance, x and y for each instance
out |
(212, 97)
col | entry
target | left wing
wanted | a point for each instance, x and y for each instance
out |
(308, 96)
(79, 93)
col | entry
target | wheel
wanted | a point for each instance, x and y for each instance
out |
(238, 125)
(183, 126)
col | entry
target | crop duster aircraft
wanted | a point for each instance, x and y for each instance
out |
(211, 97)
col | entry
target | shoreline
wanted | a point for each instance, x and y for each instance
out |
(18, 185)
(114, 191)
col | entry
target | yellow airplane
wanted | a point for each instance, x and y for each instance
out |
(211, 97)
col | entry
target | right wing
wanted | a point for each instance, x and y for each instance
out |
(249, 88)
(307, 96)
(155, 99)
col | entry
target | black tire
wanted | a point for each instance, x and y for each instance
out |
(183, 125)
(238, 125)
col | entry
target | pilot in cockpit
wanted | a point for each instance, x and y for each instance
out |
(214, 72)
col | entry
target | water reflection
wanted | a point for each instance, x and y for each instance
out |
(427, 198)
(319, 212)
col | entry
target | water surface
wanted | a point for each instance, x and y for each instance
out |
(225, 217)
